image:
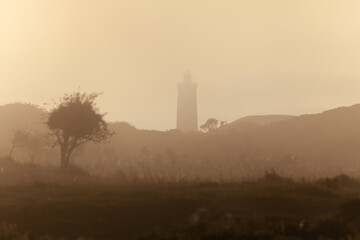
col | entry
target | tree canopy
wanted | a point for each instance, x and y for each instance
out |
(210, 126)
(75, 121)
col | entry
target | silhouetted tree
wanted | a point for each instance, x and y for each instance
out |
(75, 121)
(20, 139)
(210, 126)
(223, 123)
(35, 147)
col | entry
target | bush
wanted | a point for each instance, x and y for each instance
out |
(273, 177)
(350, 210)
(337, 182)
(332, 229)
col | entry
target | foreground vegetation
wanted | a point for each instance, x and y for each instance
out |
(269, 208)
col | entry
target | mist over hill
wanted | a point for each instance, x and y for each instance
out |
(253, 122)
(22, 115)
(19, 116)
(261, 119)
(313, 145)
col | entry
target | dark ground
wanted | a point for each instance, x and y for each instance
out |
(261, 210)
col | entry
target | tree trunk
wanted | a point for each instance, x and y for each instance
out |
(66, 148)
(66, 151)
(64, 161)
(11, 150)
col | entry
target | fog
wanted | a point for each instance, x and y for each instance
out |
(247, 57)
(191, 119)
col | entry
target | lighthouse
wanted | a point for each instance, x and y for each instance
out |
(187, 105)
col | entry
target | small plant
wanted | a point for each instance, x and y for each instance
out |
(350, 210)
(274, 178)
(11, 232)
(332, 228)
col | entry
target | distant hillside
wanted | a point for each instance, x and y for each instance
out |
(251, 123)
(317, 144)
(335, 124)
(19, 116)
(313, 144)
(22, 115)
(330, 139)
(261, 119)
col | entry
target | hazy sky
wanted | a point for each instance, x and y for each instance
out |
(248, 57)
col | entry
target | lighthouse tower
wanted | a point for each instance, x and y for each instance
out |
(187, 105)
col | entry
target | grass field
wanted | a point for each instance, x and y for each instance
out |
(258, 210)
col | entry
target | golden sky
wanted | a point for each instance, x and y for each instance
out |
(248, 57)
